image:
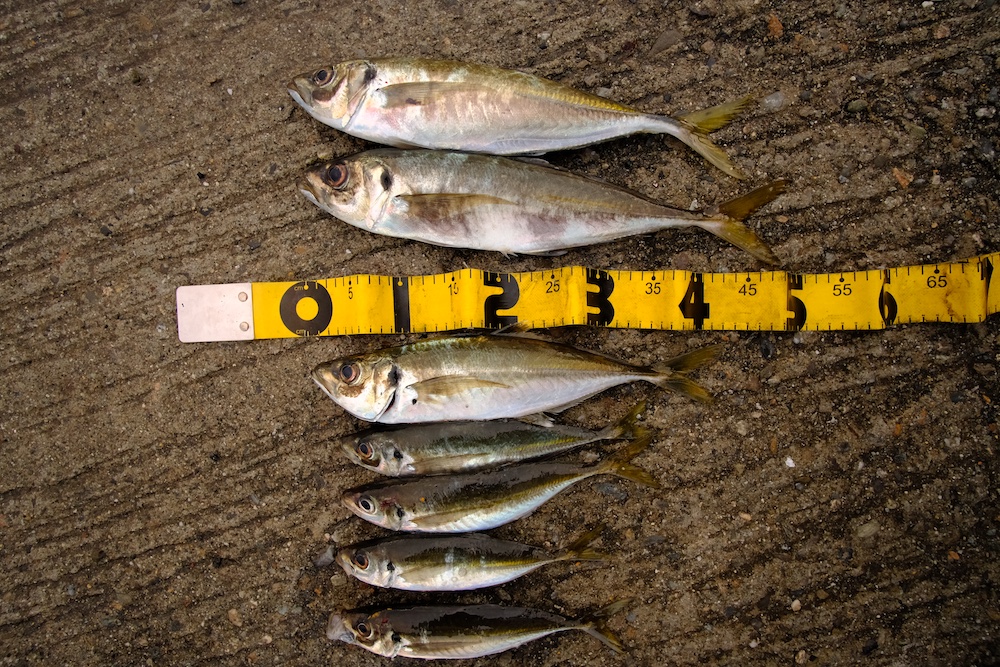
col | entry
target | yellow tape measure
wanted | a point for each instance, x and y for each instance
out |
(958, 292)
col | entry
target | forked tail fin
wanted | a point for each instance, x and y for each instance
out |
(620, 464)
(595, 624)
(627, 426)
(695, 127)
(728, 223)
(580, 549)
(672, 374)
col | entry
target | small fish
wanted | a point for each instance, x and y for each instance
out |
(452, 563)
(481, 500)
(484, 202)
(434, 449)
(458, 631)
(440, 104)
(487, 377)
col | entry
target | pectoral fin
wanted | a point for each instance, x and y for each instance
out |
(445, 205)
(421, 93)
(450, 386)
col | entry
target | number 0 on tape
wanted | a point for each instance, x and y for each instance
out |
(958, 292)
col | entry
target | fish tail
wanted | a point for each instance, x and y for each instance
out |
(694, 128)
(728, 223)
(671, 374)
(627, 426)
(620, 464)
(579, 549)
(595, 624)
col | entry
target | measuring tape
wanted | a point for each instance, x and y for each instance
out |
(958, 292)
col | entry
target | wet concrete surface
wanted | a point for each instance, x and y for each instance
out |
(161, 503)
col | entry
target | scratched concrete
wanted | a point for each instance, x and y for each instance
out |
(160, 502)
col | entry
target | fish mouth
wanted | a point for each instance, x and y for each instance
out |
(305, 187)
(337, 628)
(296, 93)
(323, 376)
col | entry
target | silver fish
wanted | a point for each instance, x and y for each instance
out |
(453, 563)
(484, 202)
(487, 377)
(434, 449)
(480, 500)
(457, 632)
(440, 104)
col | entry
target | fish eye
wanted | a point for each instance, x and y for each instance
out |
(350, 372)
(361, 560)
(322, 77)
(335, 176)
(366, 504)
(365, 451)
(363, 629)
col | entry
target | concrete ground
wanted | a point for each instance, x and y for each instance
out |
(161, 503)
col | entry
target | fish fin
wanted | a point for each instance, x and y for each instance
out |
(717, 117)
(546, 253)
(540, 162)
(627, 426)
(448, 386)
(422, 93)
(620, 465)
(728, 223)
(595, 625)
(539, 419)
(672, 373)
(579, 549)
(443, 204)
(694, 128)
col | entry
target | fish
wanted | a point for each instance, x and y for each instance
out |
(498, 376)
(453, 563)
(512, 206)
(448, 105)
(462, 631)
(482, 500)
(434, 449)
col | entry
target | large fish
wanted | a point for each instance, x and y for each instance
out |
(487, 377)
(484, 202)
(434, 449)
(440, 104)
(480, 500)
(457, 631)
(452, 563)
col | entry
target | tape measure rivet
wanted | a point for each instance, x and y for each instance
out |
(244, 326)
(243, 297)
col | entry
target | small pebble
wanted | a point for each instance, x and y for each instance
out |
(235, 618)
(796, 605)
(773, 102)
(857, 106)
(868, 529)
(789, 462)
(801, 658)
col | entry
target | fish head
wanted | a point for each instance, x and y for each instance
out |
(380, 509)
(365, 386)
(375, 451)
(332, 94)
(365, 565)
(370, 631)
(339, 188)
